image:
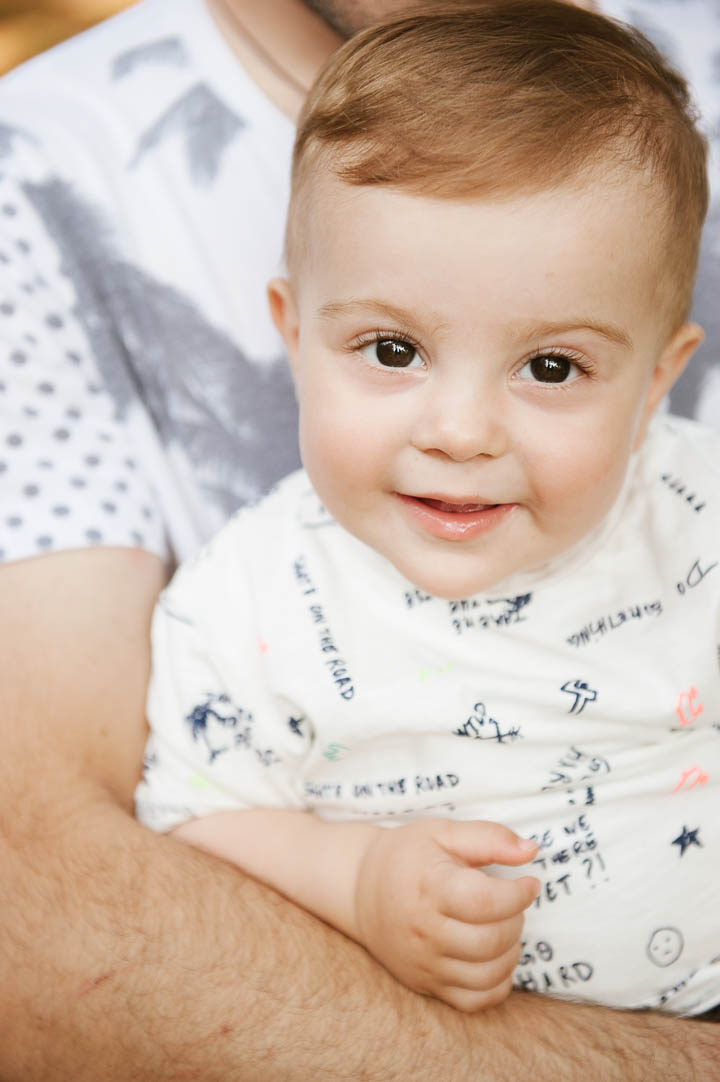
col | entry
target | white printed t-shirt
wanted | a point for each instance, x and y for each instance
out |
(295, 667)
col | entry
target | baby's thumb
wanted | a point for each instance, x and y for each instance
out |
(478, 842)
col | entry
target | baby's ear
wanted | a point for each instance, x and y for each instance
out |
(283, 310)
(670, 365)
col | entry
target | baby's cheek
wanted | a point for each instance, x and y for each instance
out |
(331, 458)
(576, 491)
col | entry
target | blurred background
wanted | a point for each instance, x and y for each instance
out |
(29, 26)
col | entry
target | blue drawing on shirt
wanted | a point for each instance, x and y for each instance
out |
(686, 839)
(478, 719)
(206, 724)
(695, 575)
(583, 694)
(474, 612)
(295, 725)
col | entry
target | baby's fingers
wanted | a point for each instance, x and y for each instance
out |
(470, 895)
(482, 976)
(470, 1001)
(478, 942)
(480, 842)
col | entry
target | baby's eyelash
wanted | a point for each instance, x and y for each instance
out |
(377, 335)
(578, 359)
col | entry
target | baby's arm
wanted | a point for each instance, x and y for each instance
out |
(414, 895)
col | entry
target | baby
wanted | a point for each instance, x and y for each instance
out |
(494, 594)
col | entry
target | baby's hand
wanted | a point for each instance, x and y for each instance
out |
(441, 925)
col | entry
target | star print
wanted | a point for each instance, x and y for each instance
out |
(687, 838)
(295, 724)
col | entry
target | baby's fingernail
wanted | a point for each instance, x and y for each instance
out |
(527, 843)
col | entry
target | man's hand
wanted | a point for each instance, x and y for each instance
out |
(440, 924)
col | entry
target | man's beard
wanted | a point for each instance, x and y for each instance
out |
(346, 17)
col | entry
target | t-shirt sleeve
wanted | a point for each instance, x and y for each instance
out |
(70, 472)
(220, 738)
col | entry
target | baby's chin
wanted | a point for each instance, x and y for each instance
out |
(459, 575)
(449, 584)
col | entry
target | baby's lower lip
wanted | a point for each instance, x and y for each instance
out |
(454, 521)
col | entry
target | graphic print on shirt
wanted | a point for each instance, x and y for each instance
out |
(691, 777)
(686, 839)
(427, 672)
(67, 477)
(572, 770)
(539, 970)
(689, 707)
(474, 727)
(681, 488)
(295, 725)
(665, 946)
(408, 793)
(212, 411)
(602, 625)
(166, 51)
(8, 135)
(698, 570)
(569, 861)
(470, 614)
(219, 732)
(206, 126)
(335, 664)
(582, 694)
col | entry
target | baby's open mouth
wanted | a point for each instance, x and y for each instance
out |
(455, 508)
(454, 520)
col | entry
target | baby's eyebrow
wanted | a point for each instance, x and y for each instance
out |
(376, 307)
(525, 331)
(610, 331)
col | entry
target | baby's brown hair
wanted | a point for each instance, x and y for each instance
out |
(501, 99)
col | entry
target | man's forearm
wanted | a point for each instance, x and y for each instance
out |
(311, 861)
(155, 962)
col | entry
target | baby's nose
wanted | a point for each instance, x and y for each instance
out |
(461, 422)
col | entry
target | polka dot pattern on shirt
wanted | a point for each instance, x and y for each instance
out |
(68, 475)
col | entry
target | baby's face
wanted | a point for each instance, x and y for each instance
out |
(474, 375)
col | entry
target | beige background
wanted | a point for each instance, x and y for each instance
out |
(29, 26)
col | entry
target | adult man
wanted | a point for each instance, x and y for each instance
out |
(143, 188)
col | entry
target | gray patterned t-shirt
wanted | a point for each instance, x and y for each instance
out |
(143, 390)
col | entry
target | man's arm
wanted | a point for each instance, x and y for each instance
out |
(416, 896)
(126, 955)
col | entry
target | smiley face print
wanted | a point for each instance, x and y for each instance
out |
(665, 946)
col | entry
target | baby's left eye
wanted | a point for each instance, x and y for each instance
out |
(391, 353)
(550, 368)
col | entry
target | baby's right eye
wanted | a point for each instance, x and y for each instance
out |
(390, 352)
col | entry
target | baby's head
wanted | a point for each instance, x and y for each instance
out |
(491, 247)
